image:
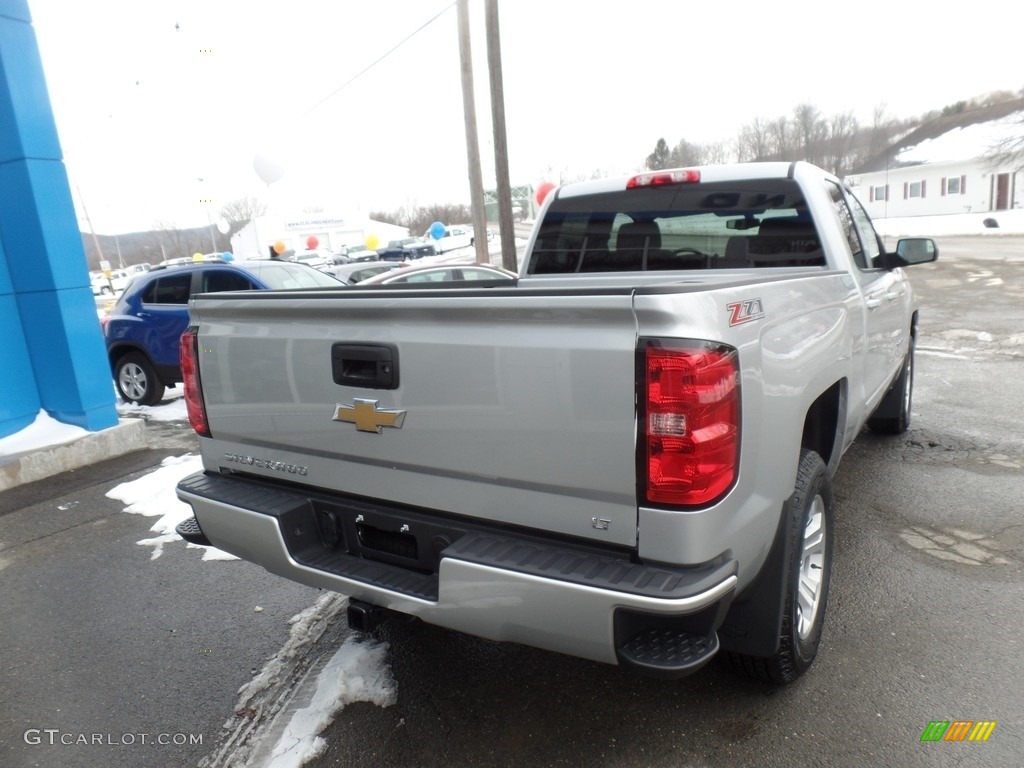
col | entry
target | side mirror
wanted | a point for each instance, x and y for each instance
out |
(910, 251)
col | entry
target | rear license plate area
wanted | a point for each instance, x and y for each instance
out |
(395, 537)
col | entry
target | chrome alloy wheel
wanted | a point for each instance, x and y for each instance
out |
(812, 561)
(133, 381)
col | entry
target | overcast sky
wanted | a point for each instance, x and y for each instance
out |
(150, 97)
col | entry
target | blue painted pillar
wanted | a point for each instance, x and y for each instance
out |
(53, 355)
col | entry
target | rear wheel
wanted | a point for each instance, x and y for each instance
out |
(807, 574)
(136, 380)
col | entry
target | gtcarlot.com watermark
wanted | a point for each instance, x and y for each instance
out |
(54, 736)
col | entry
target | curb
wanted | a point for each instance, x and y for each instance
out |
(129, 435)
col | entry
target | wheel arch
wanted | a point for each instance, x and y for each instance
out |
(752, 626)
(163, 373)
(823, 424)
(116, 351)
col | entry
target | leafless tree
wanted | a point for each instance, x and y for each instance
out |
(753, 141)
(715, 153)
(1009, 151)
(241, 211)
(843, 130)
(780, 138)
(177, 243)
(811, 130)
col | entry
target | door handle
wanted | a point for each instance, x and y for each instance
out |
(873, 303)
(365, 365)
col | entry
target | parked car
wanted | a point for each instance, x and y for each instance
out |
(440, 273)
(143, 327)
(454, 237)
(360, 253)
(315, 259)
(361, 270)
(406, 248)
(102, 285)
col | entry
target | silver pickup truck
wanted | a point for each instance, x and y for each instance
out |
(625, 455)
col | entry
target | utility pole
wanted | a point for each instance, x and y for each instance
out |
(95, 240)
(476, 182)
(507, 230)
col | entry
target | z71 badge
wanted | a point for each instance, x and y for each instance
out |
(745, 311)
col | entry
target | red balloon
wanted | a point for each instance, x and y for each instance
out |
(542, 192)
(312, 242)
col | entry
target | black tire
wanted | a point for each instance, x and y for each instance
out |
(136, 381)
(808, 565)
(892, 417)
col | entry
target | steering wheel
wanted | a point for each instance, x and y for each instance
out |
(689, 252)
(696, 259)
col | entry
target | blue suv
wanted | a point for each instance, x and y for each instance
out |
(144, 326)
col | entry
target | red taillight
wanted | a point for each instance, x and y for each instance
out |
(691, 422)
(189, 352)
(661, 178)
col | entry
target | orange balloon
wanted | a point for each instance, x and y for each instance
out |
(279, 247)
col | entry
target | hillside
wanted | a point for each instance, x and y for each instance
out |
(932, 128)
(153, 246)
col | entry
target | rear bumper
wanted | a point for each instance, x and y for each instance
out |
(494, 584)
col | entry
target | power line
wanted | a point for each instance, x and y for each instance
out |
(366, 69)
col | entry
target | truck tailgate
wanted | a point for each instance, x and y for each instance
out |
(507, 408)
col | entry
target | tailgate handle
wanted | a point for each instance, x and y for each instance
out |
(374, 366)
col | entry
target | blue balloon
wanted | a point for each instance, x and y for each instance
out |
(437, 230)
(227, 256)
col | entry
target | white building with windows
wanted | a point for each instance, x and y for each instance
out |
(299, 232)
(949, 175)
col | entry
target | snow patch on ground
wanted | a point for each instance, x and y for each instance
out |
(1010, 222)
(44, 432)
(153, 496)
(171, 409)
(282, 711)
(357, 672)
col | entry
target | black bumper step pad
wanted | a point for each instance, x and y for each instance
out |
(667, 652)
(190, 531)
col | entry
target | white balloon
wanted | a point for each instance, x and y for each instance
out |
(223, 226)
(268, 169)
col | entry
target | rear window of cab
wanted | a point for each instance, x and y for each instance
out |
(719, 225)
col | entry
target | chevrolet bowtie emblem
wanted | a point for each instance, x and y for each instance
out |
(368, 417)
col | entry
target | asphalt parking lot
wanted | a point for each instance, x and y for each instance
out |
(99, 637)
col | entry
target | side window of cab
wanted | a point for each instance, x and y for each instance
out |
(856, 226)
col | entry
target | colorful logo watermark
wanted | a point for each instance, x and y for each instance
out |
(958, 730)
